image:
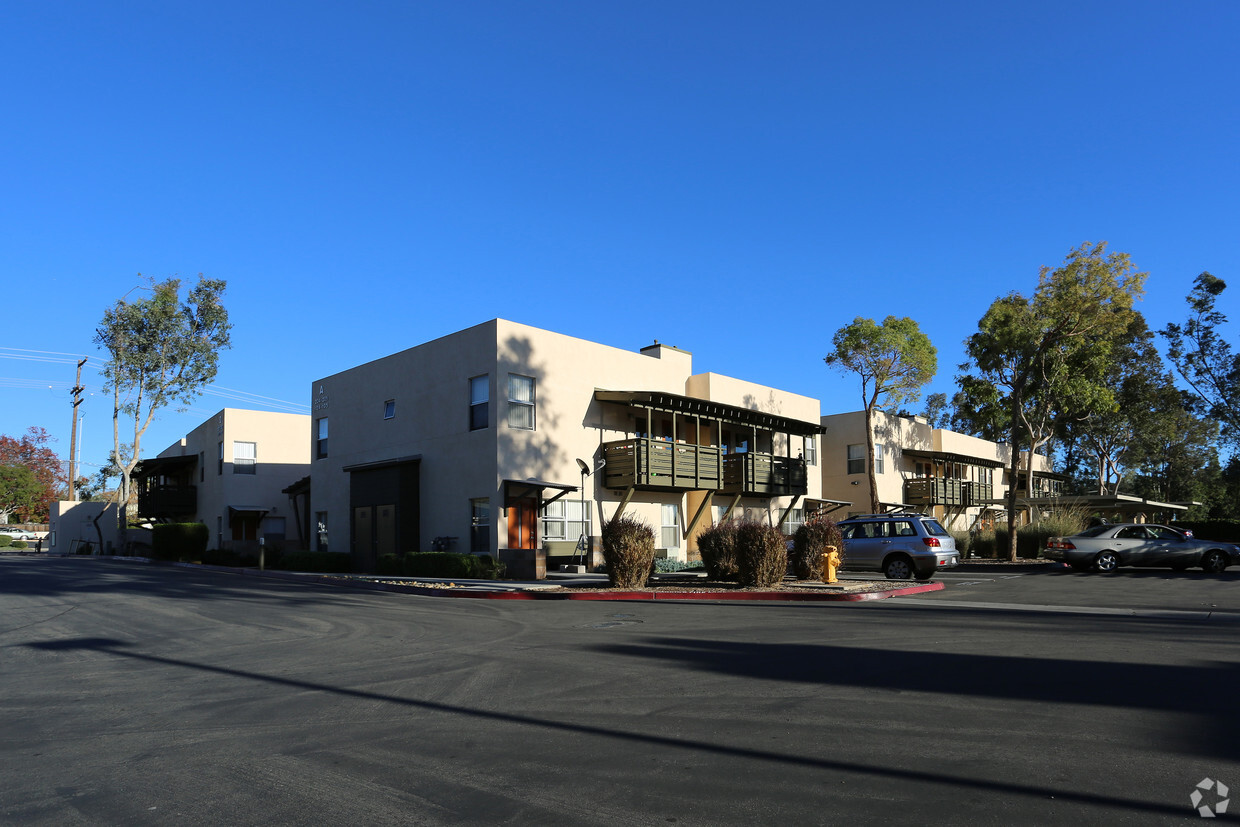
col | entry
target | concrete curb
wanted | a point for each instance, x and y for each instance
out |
(481, 590)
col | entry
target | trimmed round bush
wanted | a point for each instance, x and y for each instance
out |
(717, 545)
(628, 551)
(810, 542)
(761, 555)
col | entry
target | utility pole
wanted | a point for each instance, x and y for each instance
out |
(77, 400)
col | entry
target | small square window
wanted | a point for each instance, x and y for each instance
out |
(389, 409)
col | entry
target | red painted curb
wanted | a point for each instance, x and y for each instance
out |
(649, 595)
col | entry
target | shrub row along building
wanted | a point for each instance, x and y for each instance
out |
(516, 442)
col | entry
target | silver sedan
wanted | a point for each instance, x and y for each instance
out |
(1107, 547)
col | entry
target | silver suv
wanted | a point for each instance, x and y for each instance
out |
(901, 546)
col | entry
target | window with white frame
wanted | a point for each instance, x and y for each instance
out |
(669, 536)
(878, 459)
(521, 402)
(856, 459)
(811, 450)
(794, 520)
(479, 398)
(245, 457)
(563, 520)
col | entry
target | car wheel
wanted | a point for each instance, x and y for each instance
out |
(1215, 562)
(1106, 561)
(898, 568)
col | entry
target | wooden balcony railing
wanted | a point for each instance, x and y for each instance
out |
(656, 464)
(765, 475)
(946, 492)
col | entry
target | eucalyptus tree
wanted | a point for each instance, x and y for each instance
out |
(1204, 358)
(161, 351)
(1036, 359)
(894, 360)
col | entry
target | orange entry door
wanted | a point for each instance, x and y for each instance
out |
(522, 525)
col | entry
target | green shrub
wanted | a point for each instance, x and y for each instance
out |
(179, 541)
(492, 569)
(717, 545)
(323, 562)
(20, 544)
(447, 564)
(388, 564)
(628, 551)
(761, 555)
(228, 557)
(810, 542)
(670, 565)
(5, 541)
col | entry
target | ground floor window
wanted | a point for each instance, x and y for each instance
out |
(480, 524)
(795, 519)
(565, 520)
(320, 518)
(669, 536)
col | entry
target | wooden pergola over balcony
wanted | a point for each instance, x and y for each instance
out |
(649, 463)
(165, 488)
(947, 490)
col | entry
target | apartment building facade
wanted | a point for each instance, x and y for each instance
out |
(230, 473)
(960, 479)
(504, 437)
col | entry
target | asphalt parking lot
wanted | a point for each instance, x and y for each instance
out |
(137, 694)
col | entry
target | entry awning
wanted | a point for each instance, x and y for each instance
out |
(260, 510)
(693, 406)
(515, 490)
(382, 463)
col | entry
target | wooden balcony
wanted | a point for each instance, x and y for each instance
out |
(938, 491)
(659, 465)
(763, 475)
(168, 501)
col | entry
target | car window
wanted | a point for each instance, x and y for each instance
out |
(847, 531)
(934, 529)
(1164, 533)
(903, 528)
(1096, 531)
(1132, 532)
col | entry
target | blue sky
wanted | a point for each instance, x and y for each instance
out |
(735, 179)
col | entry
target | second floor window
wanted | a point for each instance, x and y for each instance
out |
(521, 402)
(856, 459)
(878, 459)
(479, 396)
(389, 409)
(245, 457)
(811, 450)
(320, 443)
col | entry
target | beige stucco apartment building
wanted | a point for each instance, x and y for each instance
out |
(230, 473)
(960, 479)
(504, 437)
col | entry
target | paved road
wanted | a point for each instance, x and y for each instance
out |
(147, 695)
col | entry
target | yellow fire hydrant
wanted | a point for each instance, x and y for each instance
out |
(830, 562)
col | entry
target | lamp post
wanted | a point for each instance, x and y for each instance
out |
(581, 540)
